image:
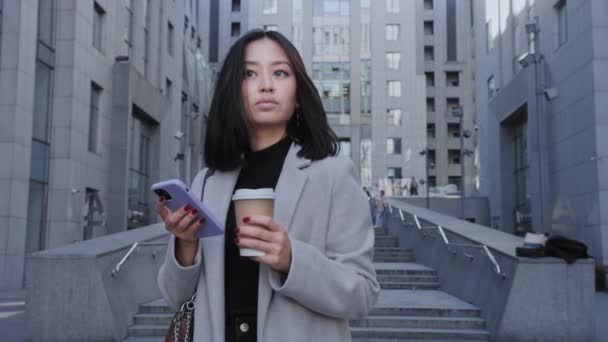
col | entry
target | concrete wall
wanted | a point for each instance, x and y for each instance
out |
(571, 178)
(531, 299)
(476, 208)
(72, 295)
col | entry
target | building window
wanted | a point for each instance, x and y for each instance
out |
(562, 22)
(454, 130)
(94, 118)
(451, 38)
(452, 79)
(42, 102)
(344, 147)
(169, 89)
(393, 59)
(452, 102)
(393, 117)
(392, 6)
(429, 53)
(394, 88)
(432, 158)
(428, 4)
(98, 24)
(491, 87)
(430, 104)
(489, 36)
(432, 182)
(236, 5)
(235, 29)
(139, 172)
(393, 146)
(270, 7)
(170, 37)
(430, 79)
(454, 157)
(392, 32)
(129, 26)
(429, 28)
(393, 173)
(271, 28)
(454, 180)
(147, 23)
(430, 130)
(45, 22)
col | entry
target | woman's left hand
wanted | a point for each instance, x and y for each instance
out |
(266, 235)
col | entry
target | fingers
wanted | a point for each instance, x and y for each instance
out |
(186, 220)
(161, 209)
(190, 231)
(264, 221)
(259, 245)
(255, 233)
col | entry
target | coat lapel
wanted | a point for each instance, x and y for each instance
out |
(288, 190)
(217, 197)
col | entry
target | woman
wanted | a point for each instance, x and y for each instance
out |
(382, 205)
(267, 128)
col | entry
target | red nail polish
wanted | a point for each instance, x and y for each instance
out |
(194, 212)
(187, 208)
(201, 220)
(161, 199)
(246, 219)
(236, 241)
(237, 230)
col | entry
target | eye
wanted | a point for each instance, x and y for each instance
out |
(249, 73)
(281, 73)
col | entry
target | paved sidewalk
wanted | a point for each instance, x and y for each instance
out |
(12, 317)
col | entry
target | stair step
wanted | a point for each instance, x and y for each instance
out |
(403, 269)
(394, 258)
(386, 243)
(409, 286)
(154, 319)
(419, 322)
(393, 249)
(147, 330)
(408, 278)
(158, 306)
(420, 333)
(425, 312)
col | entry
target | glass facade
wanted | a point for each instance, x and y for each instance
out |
(331, 57)
(41, 137)
(139, 172)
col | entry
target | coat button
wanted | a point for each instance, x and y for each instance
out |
(244, 327)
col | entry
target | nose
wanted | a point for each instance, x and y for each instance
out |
(266, 84)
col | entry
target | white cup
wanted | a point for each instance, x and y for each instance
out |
(252, 202)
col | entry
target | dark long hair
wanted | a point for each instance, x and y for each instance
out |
(227, 137)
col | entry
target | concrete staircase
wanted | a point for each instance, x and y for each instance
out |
(411, 305)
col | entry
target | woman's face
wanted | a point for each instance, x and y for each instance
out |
(269, 85)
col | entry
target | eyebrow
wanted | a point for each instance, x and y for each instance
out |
(273, 63)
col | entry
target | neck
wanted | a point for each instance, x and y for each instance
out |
(263, 138)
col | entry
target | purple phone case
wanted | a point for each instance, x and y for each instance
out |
(182, 196)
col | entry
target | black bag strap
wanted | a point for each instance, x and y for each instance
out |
(208, 174)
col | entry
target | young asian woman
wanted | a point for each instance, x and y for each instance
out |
(267, 128)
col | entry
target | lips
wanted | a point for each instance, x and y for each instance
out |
(266, 102)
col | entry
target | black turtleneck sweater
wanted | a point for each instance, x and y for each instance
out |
(261, 170)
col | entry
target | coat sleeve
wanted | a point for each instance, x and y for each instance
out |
(340, 281)
(176, 282)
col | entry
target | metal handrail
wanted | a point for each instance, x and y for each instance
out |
(444, 237)
(118, 266)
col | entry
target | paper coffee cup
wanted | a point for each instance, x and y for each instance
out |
(252, 202)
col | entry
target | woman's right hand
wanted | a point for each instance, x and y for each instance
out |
(183, 223)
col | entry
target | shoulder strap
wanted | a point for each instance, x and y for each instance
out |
(208, 174)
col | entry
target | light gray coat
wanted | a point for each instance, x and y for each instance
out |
(331, 279)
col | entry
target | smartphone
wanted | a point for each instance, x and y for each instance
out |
(177, 195)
